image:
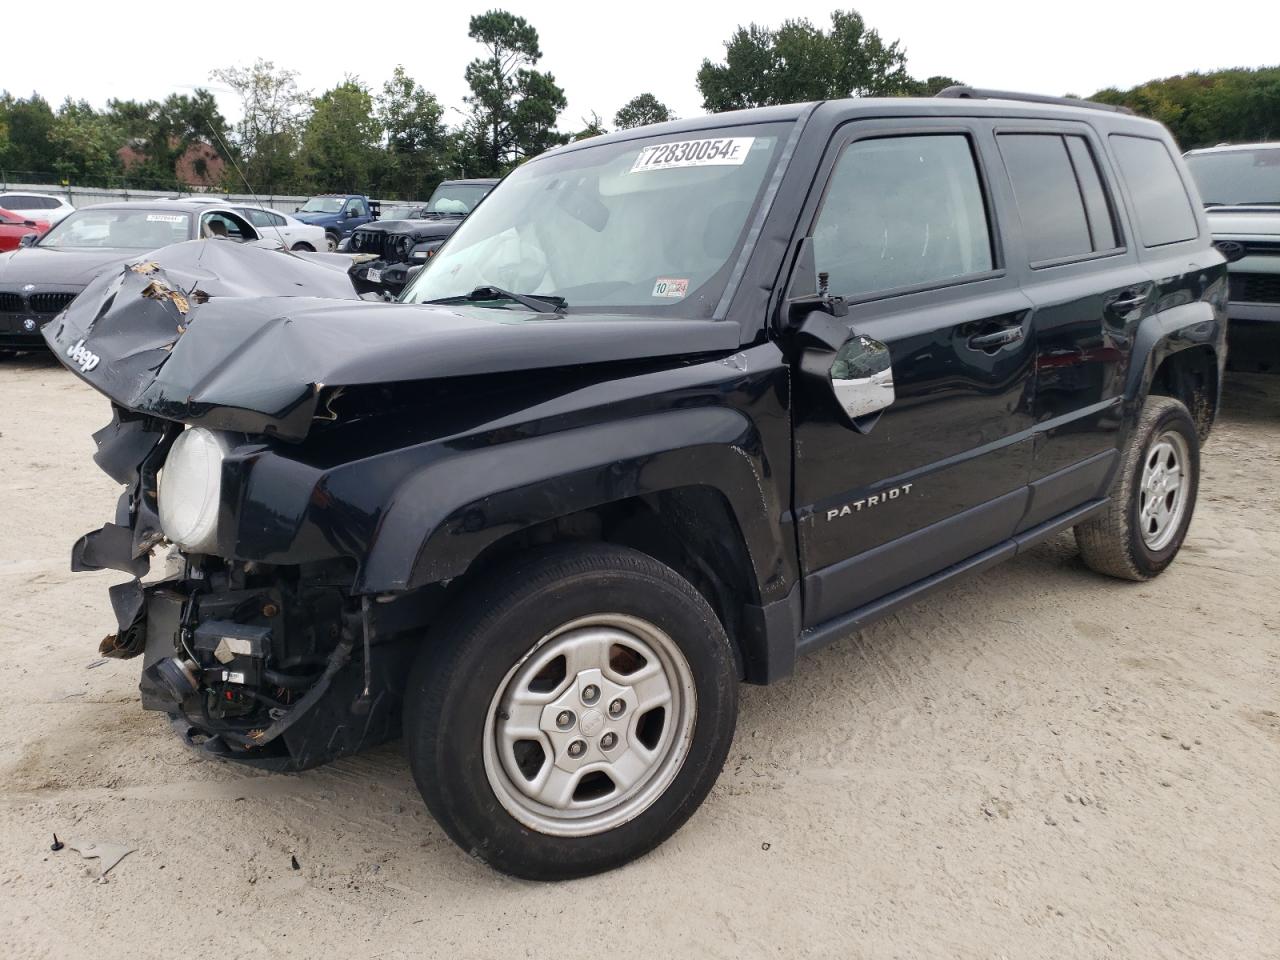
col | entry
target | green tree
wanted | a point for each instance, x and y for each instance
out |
(273, 115)
(1202, 109)
(29, 123)
(799, 62)
(514, 107)
(593, 126)
(161, 132)
(931, 86)
(640, 110)
(341, 143)
(86, 142)
(418, 146)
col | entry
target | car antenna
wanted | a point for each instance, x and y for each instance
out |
(232, 157)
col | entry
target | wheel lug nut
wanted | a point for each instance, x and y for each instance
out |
(564, 719)
(608, 741)
(590, 693)
(616, 708)
(577, 748)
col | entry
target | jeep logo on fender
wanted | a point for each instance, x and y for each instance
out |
(884, 496)
(82, 357)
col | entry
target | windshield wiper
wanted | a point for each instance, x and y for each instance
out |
(537, 302)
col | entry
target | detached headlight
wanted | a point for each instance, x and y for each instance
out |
(191, 489)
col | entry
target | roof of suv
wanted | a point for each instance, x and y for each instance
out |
(968, 104)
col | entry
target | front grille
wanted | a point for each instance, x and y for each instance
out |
(50, 302)
(11, 303)
(1255, 287)
(368, 241)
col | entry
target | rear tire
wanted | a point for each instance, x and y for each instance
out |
(1153, 496)
(573, 711)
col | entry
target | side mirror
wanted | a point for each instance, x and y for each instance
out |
(27, 239)
(1230, 249)
(862, 377)
(297, 209)
(851, 370)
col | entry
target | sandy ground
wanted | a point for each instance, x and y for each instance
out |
(1037, 763)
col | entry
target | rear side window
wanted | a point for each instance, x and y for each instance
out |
(21, 202)
(1160, 200)
(902, 212)
(1061, 200)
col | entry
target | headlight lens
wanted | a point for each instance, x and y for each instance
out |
(191, 488)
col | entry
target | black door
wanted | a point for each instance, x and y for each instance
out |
(1089, 292)
(905, 230)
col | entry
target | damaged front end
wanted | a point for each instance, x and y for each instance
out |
(280, 665)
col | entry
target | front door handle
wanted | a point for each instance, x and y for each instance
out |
(1132, 302)
(994, 341)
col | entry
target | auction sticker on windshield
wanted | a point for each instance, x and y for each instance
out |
(166, 218)
(723, 151)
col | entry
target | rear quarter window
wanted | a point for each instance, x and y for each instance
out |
(1161, 205)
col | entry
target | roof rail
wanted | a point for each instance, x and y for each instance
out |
(977, 93)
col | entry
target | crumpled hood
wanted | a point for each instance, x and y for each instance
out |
(1244, 221)
(51, 266)
(242, 338)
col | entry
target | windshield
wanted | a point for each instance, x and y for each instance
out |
(647, 225)
(1237, 176)
(398, 211)
(323, 205)
(457, 198)
(119, 229)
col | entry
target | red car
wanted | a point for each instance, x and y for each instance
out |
(13, 228)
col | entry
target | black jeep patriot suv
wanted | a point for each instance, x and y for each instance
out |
(672, 407)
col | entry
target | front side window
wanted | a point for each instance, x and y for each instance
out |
(902, 212)
(1160, 200)
(650, 225)
(1061, 201)
(119, 229)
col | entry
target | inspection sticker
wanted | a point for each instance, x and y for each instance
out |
(721, 152)
(670, 287)
(166, 218)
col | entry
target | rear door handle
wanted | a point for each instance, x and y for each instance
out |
(993, 341)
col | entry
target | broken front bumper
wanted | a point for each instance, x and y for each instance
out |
(272, 676)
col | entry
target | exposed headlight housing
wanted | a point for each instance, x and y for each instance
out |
(191, 489)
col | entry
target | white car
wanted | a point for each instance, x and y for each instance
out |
(274, 225)
(293, 233)
(36, 206)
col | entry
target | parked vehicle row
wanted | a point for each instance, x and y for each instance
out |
(672, 407)
(1240, 186)
(400, 248)
(36, 206)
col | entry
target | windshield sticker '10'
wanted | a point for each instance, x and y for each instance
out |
(722, 152)
(670, 287)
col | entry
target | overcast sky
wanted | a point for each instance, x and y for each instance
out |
(604, 53)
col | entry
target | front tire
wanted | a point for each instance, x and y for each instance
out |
(331, 241)
(1153, 496)
(302, 247)
(572, 713)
